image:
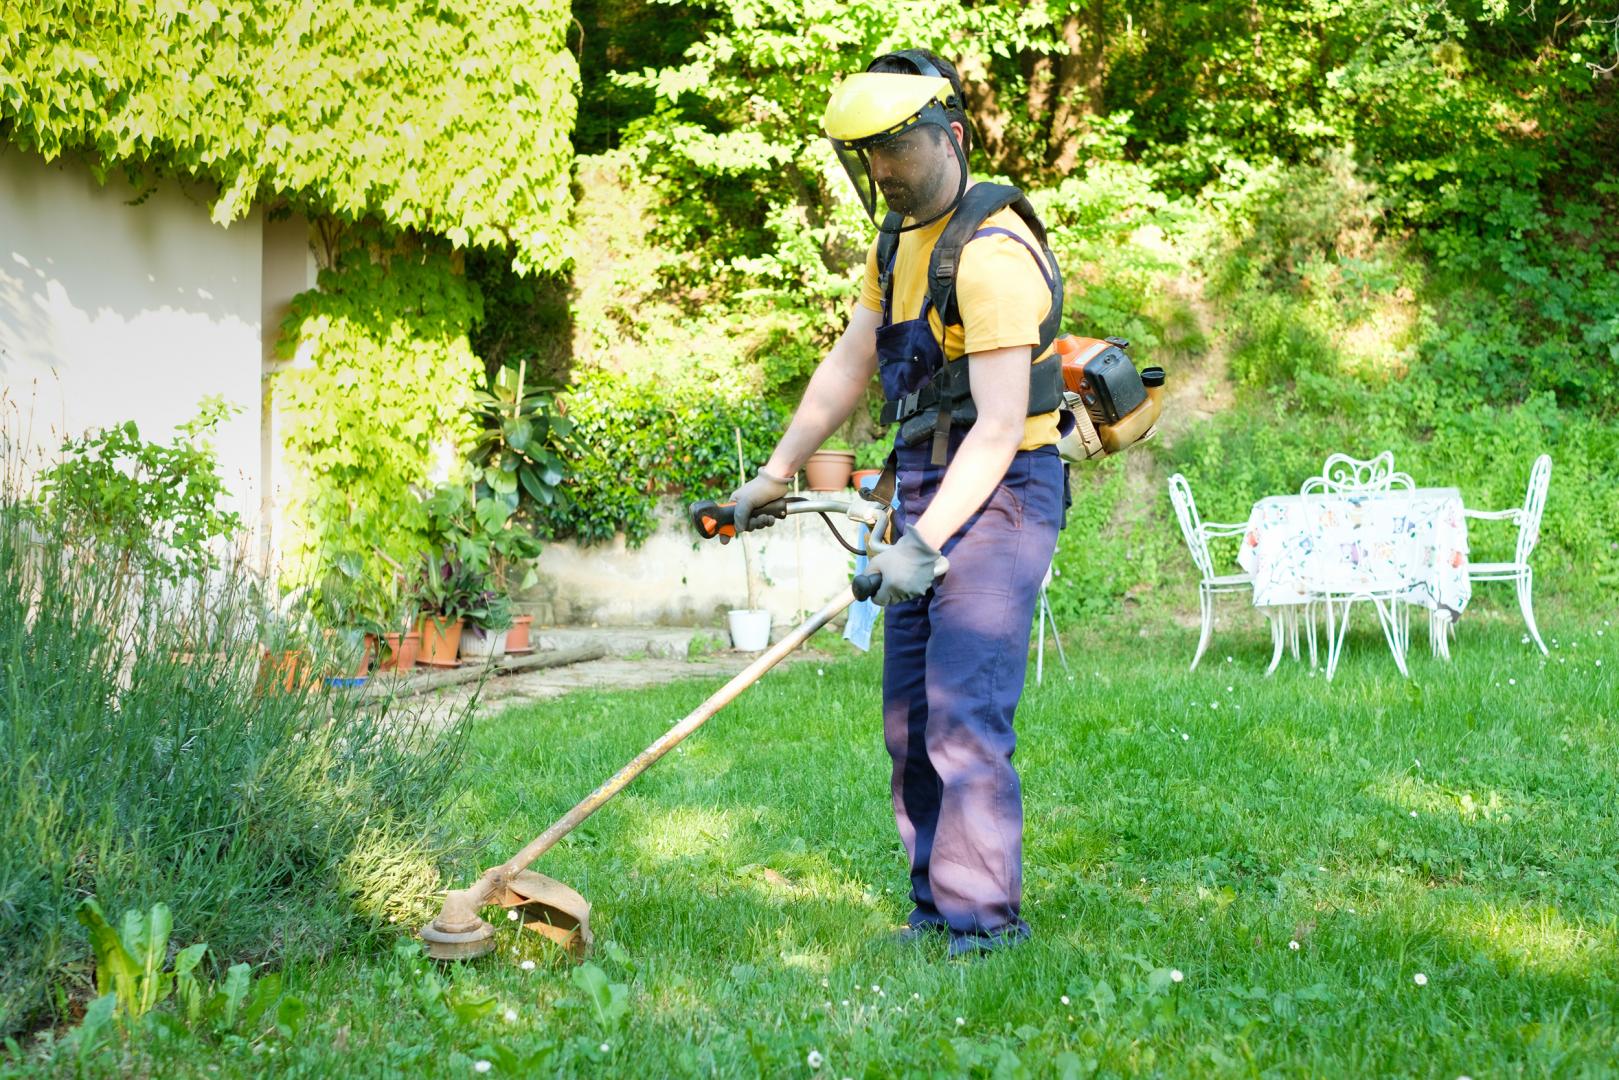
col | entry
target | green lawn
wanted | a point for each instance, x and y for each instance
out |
(1226, 875)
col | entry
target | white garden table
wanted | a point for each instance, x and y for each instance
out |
(1392, 546)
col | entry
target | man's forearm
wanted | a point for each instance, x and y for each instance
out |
(977, 467)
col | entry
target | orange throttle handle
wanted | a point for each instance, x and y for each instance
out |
(712, 519)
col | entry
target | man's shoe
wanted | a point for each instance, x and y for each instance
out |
(973, 946)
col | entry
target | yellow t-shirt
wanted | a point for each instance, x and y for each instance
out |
(1000, 292)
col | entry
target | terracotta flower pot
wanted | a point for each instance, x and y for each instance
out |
(828, 470)
(441, 640)
(858, 477)
(280, 670)
(399, 651)
(517, 636)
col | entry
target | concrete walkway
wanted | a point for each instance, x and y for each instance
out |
(636, 657)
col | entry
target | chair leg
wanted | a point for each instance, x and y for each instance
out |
(1040, 651)
(1526, 604)
(1278, 638)
(1309, 630)
(1055, 637)
(1389, 616)
(1293, 628)
(1206, 602)
(1335, 636)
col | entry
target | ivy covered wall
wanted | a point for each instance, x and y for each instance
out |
(402, 131)
(449, 116)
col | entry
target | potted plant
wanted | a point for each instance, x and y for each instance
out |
(511, 569)
(829, 467)
(399, 640)
(483, 633)
(448, 588)
(480, 523)
(286, 661)
(869, 459)
(351, 607)
(518, 465)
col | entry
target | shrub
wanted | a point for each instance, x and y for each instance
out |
(641, 438)
(271, 820)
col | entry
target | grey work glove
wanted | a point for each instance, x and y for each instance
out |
(908, 569)
(762, 489)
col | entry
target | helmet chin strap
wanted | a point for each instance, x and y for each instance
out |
(961, 189)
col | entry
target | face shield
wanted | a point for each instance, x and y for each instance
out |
(892, 135)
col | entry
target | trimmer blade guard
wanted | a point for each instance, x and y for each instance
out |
(550, 909)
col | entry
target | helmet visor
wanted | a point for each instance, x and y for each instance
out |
(904, 168)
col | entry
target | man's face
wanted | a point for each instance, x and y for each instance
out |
(917, 172)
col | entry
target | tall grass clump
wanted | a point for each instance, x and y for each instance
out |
(146, 757)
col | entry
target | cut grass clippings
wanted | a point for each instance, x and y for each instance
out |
(1226, 875)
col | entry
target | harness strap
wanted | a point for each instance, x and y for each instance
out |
(883, 490)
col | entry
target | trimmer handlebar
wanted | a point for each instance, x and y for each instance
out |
(713, 519)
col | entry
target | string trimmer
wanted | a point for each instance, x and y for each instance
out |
(552, 909)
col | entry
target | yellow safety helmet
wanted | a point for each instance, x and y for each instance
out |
(878, 104)
(876, 110)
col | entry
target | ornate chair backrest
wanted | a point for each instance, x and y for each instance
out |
(1534, 505)
(1180, 495)
(1343, 474)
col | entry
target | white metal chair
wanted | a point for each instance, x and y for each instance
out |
(1392, 615)
(1043, 616)
(1343, 474)
(1198, 533)
(1518, 570)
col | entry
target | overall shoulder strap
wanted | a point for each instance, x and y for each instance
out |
(980, 201)
(887, 250)
(967, 225)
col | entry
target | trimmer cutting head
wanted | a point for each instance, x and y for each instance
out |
(542, 904)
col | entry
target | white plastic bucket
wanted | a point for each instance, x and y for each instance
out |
(750, 630)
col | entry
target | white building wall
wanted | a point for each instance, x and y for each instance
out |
(118, 304)
(677, 579)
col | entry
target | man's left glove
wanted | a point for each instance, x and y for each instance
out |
(908, 569)
(760, 491)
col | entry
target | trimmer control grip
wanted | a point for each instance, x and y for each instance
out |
(865, 586)
(712, 519)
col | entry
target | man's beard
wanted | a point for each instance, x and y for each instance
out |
(914, 201)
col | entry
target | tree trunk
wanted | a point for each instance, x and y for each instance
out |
(1077, 95)
(989, 116)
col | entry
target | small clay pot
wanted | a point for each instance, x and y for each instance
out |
(441, 641)
(828, 470)
(517, 636)
(399, 651)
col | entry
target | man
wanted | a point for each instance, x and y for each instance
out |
(989, 496)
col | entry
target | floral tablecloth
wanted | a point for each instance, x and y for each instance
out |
(1413, 541)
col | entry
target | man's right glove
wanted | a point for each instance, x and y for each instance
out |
(908, 569)
(762, 489)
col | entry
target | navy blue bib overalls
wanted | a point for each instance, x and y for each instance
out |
(953, 668)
